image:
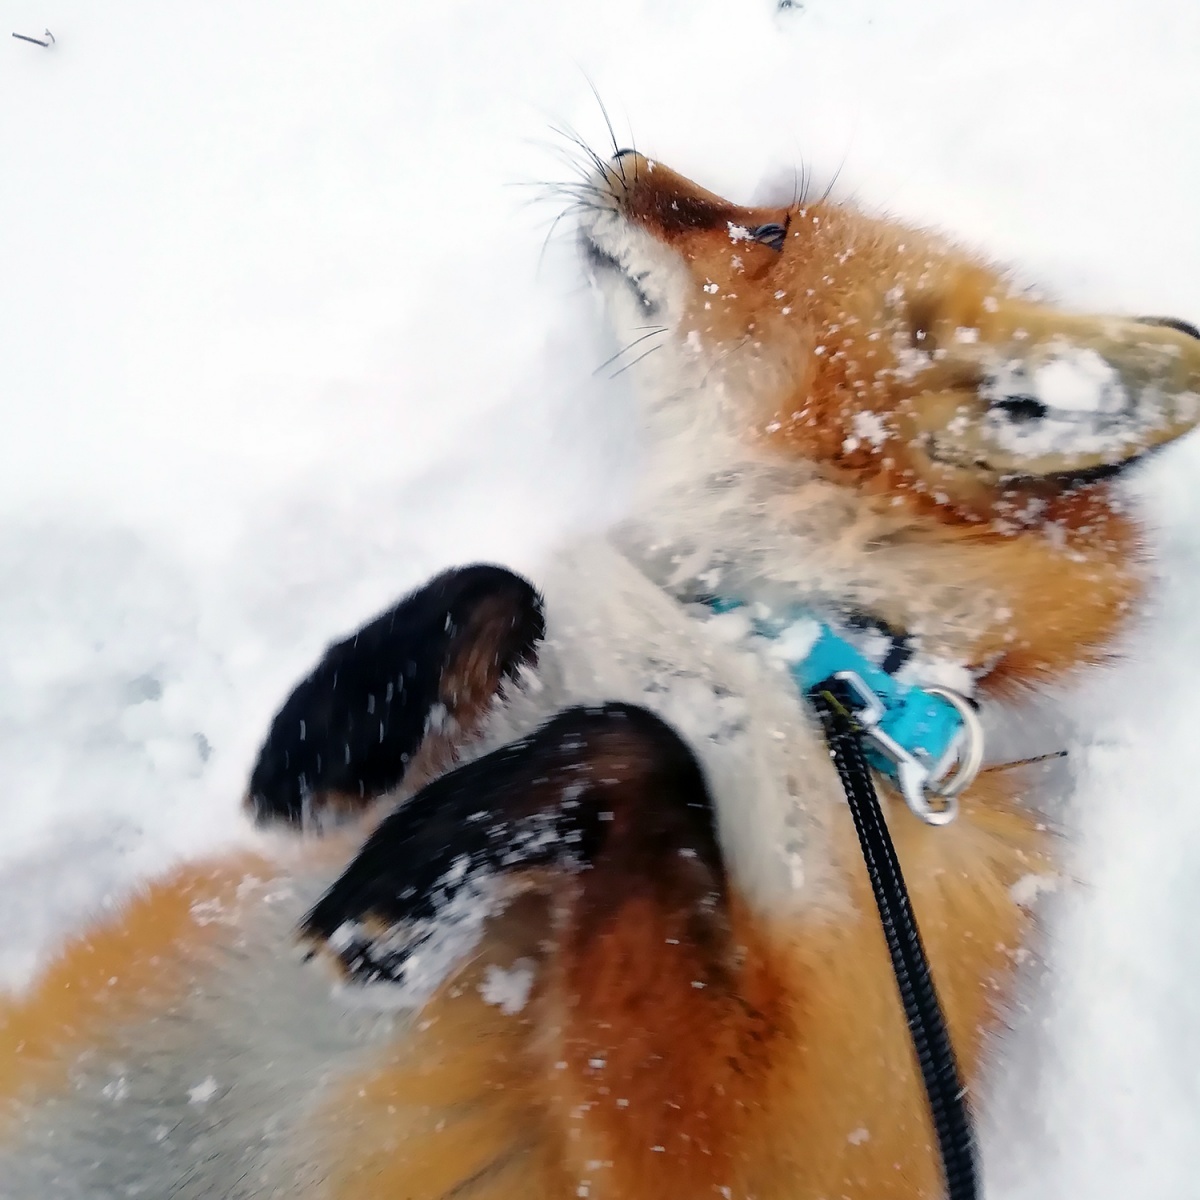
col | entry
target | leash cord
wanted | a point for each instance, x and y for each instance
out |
(948, 1108)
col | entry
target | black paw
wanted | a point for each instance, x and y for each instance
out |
(611, 785)
(416, 680)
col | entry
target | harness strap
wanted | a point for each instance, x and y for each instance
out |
(835, 702)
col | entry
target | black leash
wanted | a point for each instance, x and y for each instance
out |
(835, 703)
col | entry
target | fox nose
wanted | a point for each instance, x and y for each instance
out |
(628, 164)
(1061, 394)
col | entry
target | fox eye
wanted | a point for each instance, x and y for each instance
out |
(772, 235)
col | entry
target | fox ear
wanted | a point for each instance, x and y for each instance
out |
(1031, 393)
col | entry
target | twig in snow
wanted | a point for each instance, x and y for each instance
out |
(36, 41)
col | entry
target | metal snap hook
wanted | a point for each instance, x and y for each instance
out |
(918, 778)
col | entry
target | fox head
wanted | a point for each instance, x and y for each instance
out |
(901, 369)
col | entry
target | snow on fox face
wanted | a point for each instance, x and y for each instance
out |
(886, 354)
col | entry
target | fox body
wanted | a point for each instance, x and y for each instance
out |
(614, 914)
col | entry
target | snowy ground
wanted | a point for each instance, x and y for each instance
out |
(275, 344)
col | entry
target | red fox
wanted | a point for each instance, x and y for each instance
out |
(602, 879)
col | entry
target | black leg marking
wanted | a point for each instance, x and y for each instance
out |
(611, 790)
(425, 670)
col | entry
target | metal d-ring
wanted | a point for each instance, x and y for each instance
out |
(971, 757)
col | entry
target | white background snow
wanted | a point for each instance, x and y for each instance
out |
(275, 345)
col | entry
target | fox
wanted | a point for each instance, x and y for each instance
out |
(572, 850)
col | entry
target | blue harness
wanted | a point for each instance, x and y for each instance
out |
(915, 735)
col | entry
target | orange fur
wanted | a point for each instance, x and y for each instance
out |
(137, 961)
(453, 1108)
(1063, 602)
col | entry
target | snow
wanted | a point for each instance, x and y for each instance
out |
(869, 427)
(279, 339)
(415, 957)
(203, 1092)
(507, 989)
(1078, 381)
